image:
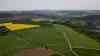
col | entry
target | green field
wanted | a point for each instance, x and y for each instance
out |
(79, 40)
(51, 36)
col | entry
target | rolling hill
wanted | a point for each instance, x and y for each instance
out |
(61, 39)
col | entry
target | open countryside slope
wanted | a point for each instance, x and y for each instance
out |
(33, 38)
(79, 40)
(51, 36)
(79, 44)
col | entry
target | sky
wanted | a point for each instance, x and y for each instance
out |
(50, 4)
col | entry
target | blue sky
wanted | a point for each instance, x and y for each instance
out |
(50, 4)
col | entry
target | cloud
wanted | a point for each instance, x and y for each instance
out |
(50, 4)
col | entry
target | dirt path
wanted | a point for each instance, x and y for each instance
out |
(67, 40)
(69, 44)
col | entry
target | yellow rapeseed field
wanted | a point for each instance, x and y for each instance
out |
(13, 27)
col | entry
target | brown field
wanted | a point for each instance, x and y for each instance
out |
(35, 52)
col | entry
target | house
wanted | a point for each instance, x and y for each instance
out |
(98, 28)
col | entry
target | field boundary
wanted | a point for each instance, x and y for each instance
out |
(20, 38)
(87, 48)
(67, 40)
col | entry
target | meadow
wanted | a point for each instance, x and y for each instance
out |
(63, 40)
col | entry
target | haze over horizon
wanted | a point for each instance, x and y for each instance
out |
(49, 5)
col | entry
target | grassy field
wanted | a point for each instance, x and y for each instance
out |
(77, 39)
(50, 36)
(81, 44)
(87, 52)
(32, 38)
